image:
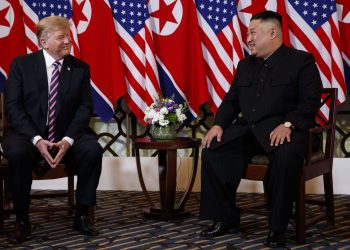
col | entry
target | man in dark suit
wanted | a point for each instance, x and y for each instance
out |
(51, 122)
(269, 108)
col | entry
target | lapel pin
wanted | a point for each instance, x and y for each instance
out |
(68, 68)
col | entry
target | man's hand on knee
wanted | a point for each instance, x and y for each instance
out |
(215, 131)
(279, 135)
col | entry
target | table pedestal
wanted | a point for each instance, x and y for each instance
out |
(167, 208)
(156, 213)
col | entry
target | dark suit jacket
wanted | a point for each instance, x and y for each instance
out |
(290, 91)
(26, 97)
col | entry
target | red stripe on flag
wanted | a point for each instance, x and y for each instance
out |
(214, 82)
(312, 49)
(237, 48)
(29, 23)
(225, 43)
(139, 41)
(217, 58)
(137, 111)
(135, 60)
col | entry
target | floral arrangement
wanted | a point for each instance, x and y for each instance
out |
(164, 111)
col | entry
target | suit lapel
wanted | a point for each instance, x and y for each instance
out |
(65, 78)
(42, 81)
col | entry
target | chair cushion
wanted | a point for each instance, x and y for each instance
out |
(264, 160)
(260, 160)
(43, 171)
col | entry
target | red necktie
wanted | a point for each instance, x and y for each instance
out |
(52, 102)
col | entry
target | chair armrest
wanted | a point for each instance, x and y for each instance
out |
(317, 130)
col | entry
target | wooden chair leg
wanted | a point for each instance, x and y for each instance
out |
(2, 227)
(71, 194)
(329, 198)
(300, 213)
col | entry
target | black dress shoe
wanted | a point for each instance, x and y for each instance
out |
(275, 240)
(220, 228)
(83, 225)
(21, 232)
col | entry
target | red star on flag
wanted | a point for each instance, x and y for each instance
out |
(255, 7)
(3, 20)
(164, 14)
(78, 14)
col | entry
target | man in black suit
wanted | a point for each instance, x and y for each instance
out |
(269, 108)
(27, 107)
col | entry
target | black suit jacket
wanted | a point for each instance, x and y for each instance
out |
(289, 91)
(26, 97)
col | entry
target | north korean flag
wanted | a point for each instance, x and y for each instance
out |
(99, 48)
(178, 50)
(343, 7)
(12, 36)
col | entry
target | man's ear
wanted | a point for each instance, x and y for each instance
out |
(273, 33)
(43, 43)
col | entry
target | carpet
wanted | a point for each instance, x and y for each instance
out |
(120, 221)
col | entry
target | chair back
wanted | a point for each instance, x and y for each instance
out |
(329, 99)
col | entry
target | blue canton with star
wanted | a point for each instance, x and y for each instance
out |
(130, 14)
(315, 12)
(44, 8)
(218, 13)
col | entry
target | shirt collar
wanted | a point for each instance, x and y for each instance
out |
(49, 60)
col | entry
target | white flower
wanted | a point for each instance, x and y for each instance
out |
(181, 117)
(157, 117)
(164, 111)
(178, 111)
(151, 113)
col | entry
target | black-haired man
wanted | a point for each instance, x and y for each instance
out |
(269, 108)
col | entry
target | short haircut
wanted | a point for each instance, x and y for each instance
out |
(50, 23)
(268, 15)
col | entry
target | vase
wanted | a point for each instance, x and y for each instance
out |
(163, 132)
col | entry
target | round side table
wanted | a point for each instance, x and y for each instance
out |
(167, 208)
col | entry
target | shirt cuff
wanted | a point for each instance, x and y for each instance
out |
(69, 140)
(36, 139)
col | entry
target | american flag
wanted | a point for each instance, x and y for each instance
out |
(34, 10)
(137, 52)
(221, 45)
(314, 28)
